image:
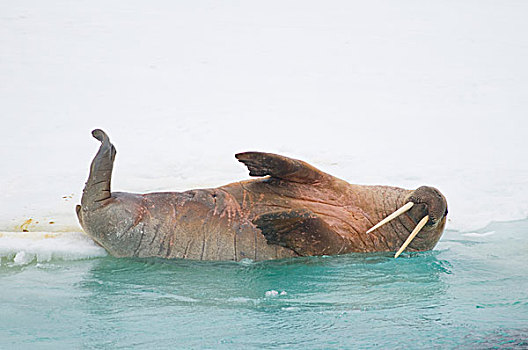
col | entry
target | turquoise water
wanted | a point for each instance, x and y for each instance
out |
(470, 292)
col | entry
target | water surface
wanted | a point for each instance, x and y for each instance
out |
(470, 292)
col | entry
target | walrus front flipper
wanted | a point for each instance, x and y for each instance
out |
(301, 231)
(97, 187)
(280, 167)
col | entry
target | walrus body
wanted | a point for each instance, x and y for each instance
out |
(296, 210)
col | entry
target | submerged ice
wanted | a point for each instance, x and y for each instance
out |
(22, 248)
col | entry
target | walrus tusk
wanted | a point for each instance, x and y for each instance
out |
(392, 216)
(413, 234)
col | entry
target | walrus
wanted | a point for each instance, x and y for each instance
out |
(291, 210)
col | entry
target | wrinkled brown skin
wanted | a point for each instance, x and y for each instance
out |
(296, 210)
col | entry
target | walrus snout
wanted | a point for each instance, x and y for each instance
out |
(428, 201)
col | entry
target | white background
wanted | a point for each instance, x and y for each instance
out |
(376, 92)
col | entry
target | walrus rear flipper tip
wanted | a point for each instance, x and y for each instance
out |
(97, 186)
(100, 135)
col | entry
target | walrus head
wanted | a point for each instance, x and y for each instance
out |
(427, 207)
(428, 201)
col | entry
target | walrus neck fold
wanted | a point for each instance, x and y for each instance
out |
(97, 188)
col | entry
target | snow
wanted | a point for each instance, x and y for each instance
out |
(379, 92)
(18, 249)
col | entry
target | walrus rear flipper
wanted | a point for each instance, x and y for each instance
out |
(301, 231)
(97, 187)
(280, 167)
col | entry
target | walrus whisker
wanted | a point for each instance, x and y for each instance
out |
(392, 216)
(413, 234)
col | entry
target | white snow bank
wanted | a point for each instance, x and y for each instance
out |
(375, 92)
(22, 248)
